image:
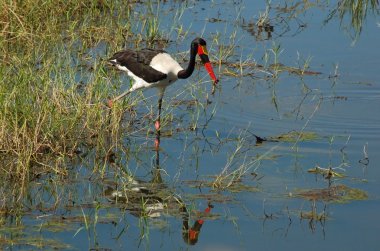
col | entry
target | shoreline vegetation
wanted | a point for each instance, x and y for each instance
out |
(53, 88)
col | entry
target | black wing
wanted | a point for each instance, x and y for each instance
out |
(138, 63)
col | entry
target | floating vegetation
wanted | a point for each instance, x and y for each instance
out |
(245, 69)
(212, 197)
(295, 136)
(258, 28)
(294, 70)
(326, 172)
(240, 187)
(235, 187)
(40, 243)
(313, 215)
(334, 194)
(57, 225)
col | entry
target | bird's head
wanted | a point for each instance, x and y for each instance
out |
(203, 54)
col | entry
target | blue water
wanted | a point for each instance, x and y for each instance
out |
(342, 110)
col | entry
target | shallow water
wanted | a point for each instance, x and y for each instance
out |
(263, 209)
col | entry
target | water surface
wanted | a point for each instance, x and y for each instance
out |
(335, 103)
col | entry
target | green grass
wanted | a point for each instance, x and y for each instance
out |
(53, 90)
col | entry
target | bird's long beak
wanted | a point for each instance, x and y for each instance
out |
(203, 54)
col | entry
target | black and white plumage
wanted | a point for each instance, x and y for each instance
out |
(146, 68)
(156, 68)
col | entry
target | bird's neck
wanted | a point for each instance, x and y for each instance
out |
(190, 67)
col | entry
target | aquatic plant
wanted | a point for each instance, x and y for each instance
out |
(356, 11)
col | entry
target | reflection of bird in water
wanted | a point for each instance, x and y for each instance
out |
(190, 236)
(156, 68)
(151, 199)
(139, 198)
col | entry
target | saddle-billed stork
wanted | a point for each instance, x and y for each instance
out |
(156, 68)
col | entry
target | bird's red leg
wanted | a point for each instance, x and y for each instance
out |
(157, 141)
(157, 125)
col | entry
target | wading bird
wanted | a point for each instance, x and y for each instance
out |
(156, 68)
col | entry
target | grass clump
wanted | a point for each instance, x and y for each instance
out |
(42, 114)
(53, 86)
(356, 12)
(335, 194)
(25, 25)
